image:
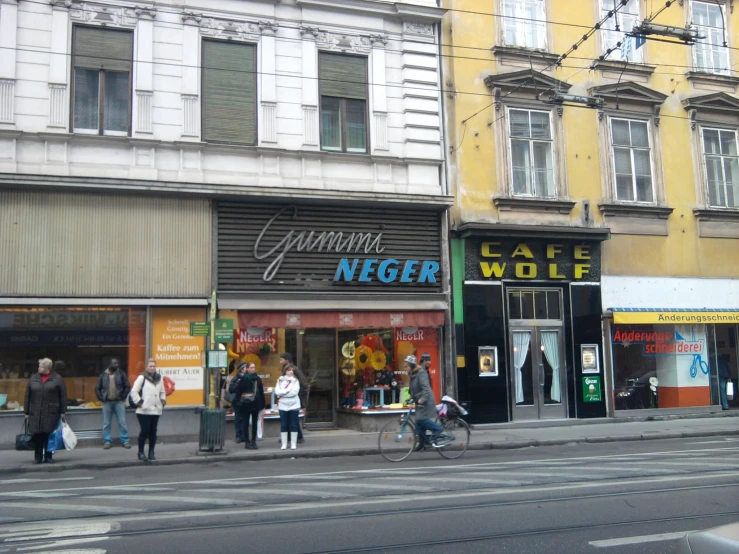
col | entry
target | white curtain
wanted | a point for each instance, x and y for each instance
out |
(550, 341)
(521, 341)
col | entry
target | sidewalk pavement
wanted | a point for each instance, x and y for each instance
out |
(332, 443)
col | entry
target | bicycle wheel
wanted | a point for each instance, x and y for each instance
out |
(458, 429)
(397, 440)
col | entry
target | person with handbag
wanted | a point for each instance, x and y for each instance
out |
(250, 392)
(44, 405)
(287, 390)
(149, 397)
(229, 395)
(286, 360)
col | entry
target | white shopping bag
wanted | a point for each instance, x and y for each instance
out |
(70, 439)
(729, 390)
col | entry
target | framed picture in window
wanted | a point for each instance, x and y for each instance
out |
(589, 358)
(487, 357)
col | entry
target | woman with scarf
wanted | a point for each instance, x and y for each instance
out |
(249, 390)
(287, 390)
(44, 405)
(149, 398)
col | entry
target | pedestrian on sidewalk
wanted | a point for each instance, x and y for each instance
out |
(238, 422)
(44, 405)
(150, 398)
(287, 390)
(724, 375)
(112, 389)
(423, 395)
(286, 360)
(250, 392)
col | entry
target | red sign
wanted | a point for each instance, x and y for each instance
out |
(250, 339)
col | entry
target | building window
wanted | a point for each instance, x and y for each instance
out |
(631, 160)
(524, 23)
(102, 81)
(616, 27)
(229, 92)
(343, 89)
(722, 167)
(710, 53)
(531, 153)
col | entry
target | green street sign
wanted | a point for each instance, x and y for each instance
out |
(199, 328)
(591, 389)
(224, 330)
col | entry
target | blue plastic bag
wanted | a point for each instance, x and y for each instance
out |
(56, 439)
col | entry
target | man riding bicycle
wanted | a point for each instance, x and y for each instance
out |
(423, 396)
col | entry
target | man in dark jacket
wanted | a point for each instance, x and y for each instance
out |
(112, 389)
(421, 392)
(724, 375)
(286, 360)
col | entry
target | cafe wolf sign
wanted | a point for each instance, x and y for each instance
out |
(289, 247)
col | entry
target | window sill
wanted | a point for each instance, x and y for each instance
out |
(524, 57)
(717, 222)
(712, 81)
(614, 70)
(636, 219)
(532, 204)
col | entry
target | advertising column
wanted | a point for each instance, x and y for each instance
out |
(178, 355)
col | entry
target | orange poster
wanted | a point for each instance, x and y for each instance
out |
(179, 356)
(419, 341)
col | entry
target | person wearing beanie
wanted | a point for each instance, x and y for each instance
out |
(423, 395)
(286, 360)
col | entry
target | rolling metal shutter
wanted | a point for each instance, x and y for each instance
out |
(98, 48)
(343, 76)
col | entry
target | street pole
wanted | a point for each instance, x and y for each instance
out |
(211, 372)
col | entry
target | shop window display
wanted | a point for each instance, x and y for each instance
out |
(85, 339)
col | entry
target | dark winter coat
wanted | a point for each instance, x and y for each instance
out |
(245, 384)
(123, 387)
(45, 403)
(421, 390)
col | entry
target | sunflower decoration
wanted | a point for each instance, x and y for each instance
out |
(348, 349)
(252, 359)
(362, 357)
(378, 360)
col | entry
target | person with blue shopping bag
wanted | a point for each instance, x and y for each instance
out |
(44, 405)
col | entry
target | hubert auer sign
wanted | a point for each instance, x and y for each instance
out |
(532, 260)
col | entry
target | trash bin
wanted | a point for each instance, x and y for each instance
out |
(212, 429)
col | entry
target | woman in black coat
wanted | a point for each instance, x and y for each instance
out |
(249, 391)
(44, 405)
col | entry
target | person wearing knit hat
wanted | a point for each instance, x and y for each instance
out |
(286, 360)
(423, 395)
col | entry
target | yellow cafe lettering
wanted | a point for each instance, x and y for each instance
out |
(542, 261)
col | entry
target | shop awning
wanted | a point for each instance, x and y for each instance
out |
(674, 316)
(313, 320)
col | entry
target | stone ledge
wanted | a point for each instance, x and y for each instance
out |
(712, 80)
(648, 211)
(525, 57)
(717, 222)
(640, 70)
(530, 204)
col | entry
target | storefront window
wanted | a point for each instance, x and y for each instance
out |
(660, 366)
(85, 339)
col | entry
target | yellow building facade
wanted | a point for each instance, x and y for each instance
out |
(595, 234)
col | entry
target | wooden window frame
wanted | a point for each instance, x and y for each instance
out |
(342, 112)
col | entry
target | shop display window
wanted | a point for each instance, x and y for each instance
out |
(85, 339)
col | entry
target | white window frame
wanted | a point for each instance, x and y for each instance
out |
(721, 156)
(539, 26)
(631, 150)
(531, 153)
(637, 55)
(707, 41)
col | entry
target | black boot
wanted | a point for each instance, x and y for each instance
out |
(49, 458)
(254, 445)
(151, 454)
(142, 456)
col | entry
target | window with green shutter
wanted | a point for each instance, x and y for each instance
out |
(342, 81)
(102, 60)
(229, 92)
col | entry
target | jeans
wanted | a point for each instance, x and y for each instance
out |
(423, 425)
(289, 420)
(148, 425)
(238, 423)
(722, 392)
(119, 409)
(246, 416)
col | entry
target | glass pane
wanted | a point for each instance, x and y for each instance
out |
(330, 123)
(543, 172)
(540, 305)
(86, 98)
(318, 361)
(641, 162)
(731, 174)
(639, 134)
(622, 161)
(514, 305)
(519, 121)
(521, 165)
(644, 188)
(523, 376)
(700, 13)
(115, 114)
(624, 187)
(701, 55)
(728, 143)
(540, 126)
(714, 180)
(552, 365)
(553, 311)
(711, 141)
(620, 132)
(714, 15)
(527, 305)
(356, 128)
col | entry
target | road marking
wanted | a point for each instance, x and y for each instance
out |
(71, 542)
(263, 490)
(723, 441)
(41, 531)
(509, 482)
(184, 499)
(610, 543)
(34, 494)
(413, 488)
(70, 507)
(56, 479)
(699, 464)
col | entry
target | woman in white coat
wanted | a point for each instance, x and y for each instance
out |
(149, 398)
(286, 391)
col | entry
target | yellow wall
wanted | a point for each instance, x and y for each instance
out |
(473, 150)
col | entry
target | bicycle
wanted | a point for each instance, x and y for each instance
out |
(398, 438)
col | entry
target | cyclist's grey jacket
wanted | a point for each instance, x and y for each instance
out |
(421, 390)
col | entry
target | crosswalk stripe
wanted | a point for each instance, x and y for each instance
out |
(184, 499)
(660, 537)
(439, 479)
(72, 507)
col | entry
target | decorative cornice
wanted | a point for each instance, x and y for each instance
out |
(630, 68)
(231, 30)
(715, 102)
(308, 32)
(378, 41)
(538, 59)
(415, 28)
(712, 78)
(728, 215)
(630, 92)
(61, 3)
(618, 209)
(268, 27)
(389, 9)
(344, 43)
(145, 13)
(192, 16)
(105, 16)
(526, 80)
(530, 204)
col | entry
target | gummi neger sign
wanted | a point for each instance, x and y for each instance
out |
(385, 270)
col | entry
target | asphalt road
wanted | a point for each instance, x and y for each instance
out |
(631, 497)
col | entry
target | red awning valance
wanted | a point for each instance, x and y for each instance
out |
(313, 320)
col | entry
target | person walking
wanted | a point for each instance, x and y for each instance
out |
(112, 389)
(724, 375)
(44, 405)
(238, 422)
(149, 397)
(287, 390)
(250, 392)
(286, 360)
(421, 392)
